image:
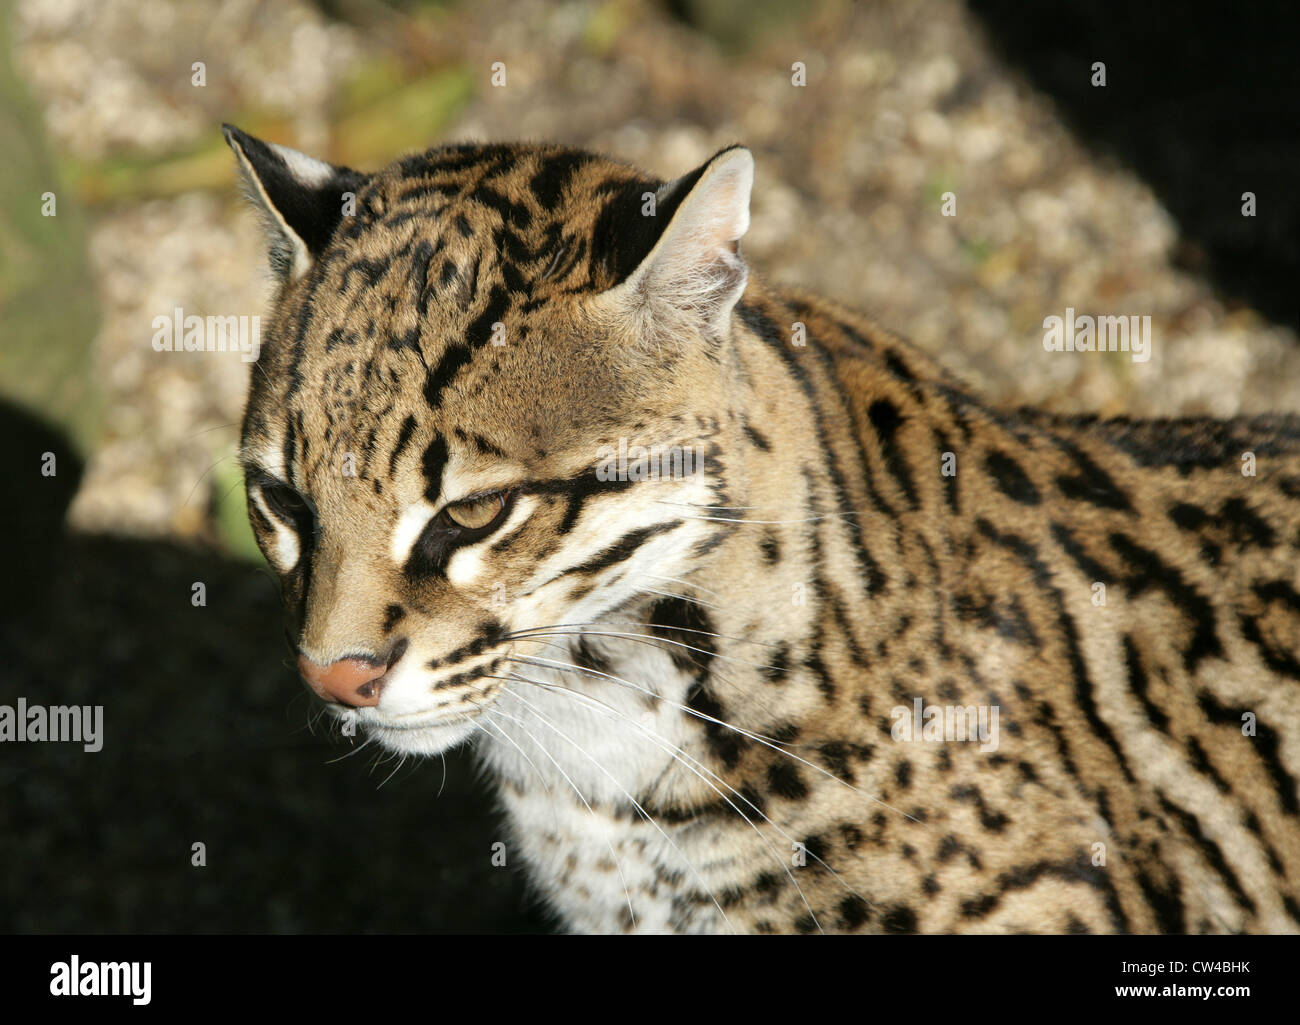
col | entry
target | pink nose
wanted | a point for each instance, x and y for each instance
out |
(349, 681)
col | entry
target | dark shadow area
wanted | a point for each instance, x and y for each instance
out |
(1202, 101)
(204, 740)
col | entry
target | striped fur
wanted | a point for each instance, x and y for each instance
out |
(687, 688)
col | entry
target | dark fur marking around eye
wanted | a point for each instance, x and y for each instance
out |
(259, 518)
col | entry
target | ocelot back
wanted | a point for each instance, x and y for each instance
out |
(758, 619)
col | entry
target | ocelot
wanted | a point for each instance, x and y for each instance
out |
(760, 620)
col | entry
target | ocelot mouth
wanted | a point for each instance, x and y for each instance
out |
(424, 738)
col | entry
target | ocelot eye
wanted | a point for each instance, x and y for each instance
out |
(460, 523)
(285, 502)
(477, 513)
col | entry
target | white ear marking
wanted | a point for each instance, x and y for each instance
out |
(308, 170)
(694, 271)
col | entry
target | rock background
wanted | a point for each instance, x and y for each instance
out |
(904, 101)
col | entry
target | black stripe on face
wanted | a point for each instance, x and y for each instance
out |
(455, 357)
(491, 631)
(578, 490)
(403, 439)
(432, 464)
(290, 436)
(622, 549)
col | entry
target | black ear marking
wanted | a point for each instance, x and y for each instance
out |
(677, 263)
(302, 199)
(623, 235)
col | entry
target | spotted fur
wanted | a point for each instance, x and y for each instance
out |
(688, 688)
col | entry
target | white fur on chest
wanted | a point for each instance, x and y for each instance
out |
(569, 747)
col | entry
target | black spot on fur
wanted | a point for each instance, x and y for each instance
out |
(784, 780)
(1011, 479)
(854, 912)
(899, 919)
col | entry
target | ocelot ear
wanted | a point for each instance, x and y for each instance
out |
(693, 274)
(301, 199)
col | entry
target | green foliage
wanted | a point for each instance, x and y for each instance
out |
(230, 511)
(47, 298)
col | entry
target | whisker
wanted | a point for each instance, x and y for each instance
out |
(618, 863)
(688, 583)
(769, 742)
(679, 597)
(545, 721)
(677, 754)
(543, 632)
(217, 462)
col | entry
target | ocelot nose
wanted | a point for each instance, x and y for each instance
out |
(349, 681)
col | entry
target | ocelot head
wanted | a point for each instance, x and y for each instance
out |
(492, 402)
